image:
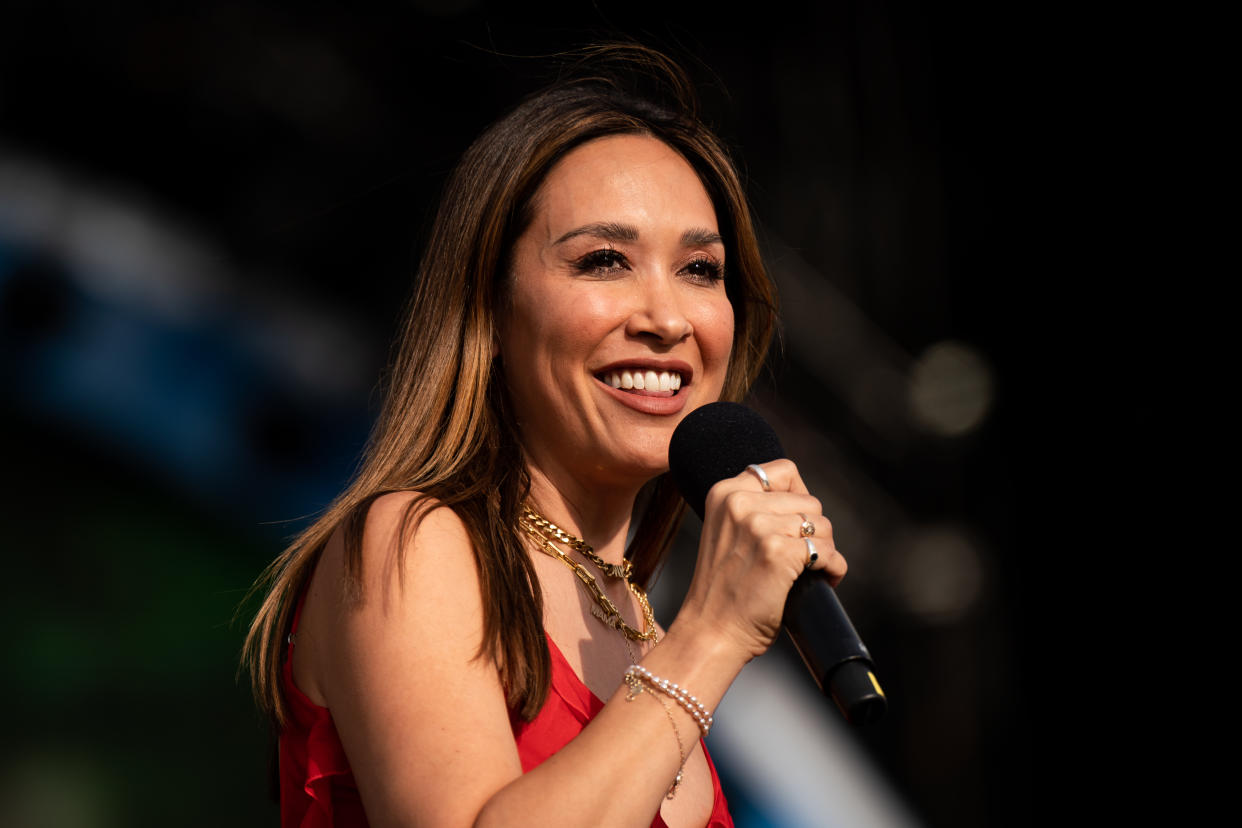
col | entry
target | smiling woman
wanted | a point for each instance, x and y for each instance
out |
(464, 638)
(620, 274)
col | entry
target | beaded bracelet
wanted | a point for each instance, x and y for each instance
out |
(637, 686)
(701, 715)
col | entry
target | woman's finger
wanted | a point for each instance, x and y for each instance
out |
(812, 525)
(761, 475)
(789, 522)
(808, 536)
(819, 555)
(780, 476)
(799, 541)
(743, 505)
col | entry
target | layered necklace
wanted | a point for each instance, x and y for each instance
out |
(546, 534)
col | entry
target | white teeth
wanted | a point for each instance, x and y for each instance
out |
(644, 380)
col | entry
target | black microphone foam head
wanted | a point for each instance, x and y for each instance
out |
(716, 441)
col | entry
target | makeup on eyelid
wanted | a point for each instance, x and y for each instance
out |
(700, 267)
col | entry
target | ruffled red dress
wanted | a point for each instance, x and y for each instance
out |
(317, 788)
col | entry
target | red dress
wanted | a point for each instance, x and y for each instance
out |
(317, 788)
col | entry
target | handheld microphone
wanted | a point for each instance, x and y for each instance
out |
(721, 439)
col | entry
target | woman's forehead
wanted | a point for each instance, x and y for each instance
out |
(635, 184)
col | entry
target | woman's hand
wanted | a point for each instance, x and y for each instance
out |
(751, 550)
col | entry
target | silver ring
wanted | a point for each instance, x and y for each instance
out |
(762, 475)
(807, 528)
(811, 555)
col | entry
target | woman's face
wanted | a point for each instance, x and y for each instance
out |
(617, 324)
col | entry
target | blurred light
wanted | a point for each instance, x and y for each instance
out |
(938, 574)
(788, 746)
(122, 326)
(119, 248)
(841, 346)
(127, 252)
(325, 355)
(31, 195)
(950, 389)
(57, 789)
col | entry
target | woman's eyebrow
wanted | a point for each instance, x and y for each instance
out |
(612, 231)
(700, 237)
(607, 230)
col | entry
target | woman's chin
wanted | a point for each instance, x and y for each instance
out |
(636, 470)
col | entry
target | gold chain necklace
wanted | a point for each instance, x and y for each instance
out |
(605, 609)
(547, 527)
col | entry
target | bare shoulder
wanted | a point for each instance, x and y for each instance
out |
(417, 578)
(414, 542)
(406, 654)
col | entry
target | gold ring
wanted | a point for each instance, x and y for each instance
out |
(807, 528)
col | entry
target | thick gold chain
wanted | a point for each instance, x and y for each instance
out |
(547, 527)
(607, 610)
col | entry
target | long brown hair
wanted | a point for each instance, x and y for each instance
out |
(446, 430)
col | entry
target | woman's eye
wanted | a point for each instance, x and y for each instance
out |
(600, 262)
(705, 270)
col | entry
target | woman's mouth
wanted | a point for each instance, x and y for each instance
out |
(643, 382)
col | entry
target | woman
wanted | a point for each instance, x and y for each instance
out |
(452, 642)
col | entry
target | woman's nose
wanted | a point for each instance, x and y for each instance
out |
(658, 312)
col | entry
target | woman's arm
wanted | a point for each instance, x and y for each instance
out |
(424, 721)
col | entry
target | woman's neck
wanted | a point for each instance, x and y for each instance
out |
(598, 515)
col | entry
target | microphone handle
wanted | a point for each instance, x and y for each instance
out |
(831, 648)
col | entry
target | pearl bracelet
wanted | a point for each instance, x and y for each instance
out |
(701, 715)
(637, 686)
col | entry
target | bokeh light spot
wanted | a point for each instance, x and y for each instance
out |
(951, 389)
